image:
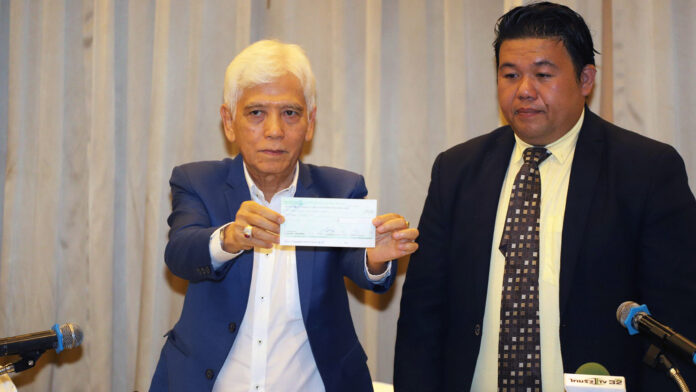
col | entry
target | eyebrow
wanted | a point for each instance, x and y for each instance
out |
(539, 63)
(257, 105)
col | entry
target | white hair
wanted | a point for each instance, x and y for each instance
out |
(263, 61)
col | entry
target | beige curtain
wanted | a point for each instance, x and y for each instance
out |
(99, 99)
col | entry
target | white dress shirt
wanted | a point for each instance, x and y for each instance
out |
(555, 176)
(271, 351)
(6, 384)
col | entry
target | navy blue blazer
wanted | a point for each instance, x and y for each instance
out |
(628, 234)
(207, 195)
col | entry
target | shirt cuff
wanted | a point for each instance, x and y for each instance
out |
(218, 256)
(377, 279)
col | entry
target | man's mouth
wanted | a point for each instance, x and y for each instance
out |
(527, 112)
(273, 152)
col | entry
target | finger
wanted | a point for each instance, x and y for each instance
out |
(406, 234)
(398, 223)
(257, 209)
(268, 213)
(258, 243)
(407, 247)
(264, 237)
(379, 220)
(258, 238)
(259, 216)
(261, 223)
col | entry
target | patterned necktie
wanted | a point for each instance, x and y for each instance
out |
(519, 363)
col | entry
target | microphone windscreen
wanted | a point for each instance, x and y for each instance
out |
(592, 368)
(72, 335)
(623, 310)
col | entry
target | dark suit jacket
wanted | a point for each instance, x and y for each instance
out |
(628, 234)
(206, 195)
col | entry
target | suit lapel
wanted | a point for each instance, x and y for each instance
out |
(237, 192)
(490, 183)
(581, 189)
(305, 255)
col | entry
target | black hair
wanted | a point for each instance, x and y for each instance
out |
(548, 20)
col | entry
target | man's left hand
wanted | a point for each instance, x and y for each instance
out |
(394, 239)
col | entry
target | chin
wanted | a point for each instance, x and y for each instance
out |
(275, 169)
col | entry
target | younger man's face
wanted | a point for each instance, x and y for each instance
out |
(538, 90)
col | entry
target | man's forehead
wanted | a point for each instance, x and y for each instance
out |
(551, 41)
(537, 51)
(285, 90)
(287, 79)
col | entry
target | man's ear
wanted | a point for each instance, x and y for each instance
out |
(227, 122)
(310, 127)
(587, 79)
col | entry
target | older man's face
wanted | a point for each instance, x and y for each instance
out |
(270, 126)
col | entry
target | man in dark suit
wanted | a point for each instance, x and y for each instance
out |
(605, 216)
(258, 315)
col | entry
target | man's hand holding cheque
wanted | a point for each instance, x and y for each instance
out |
(254, 225)
(394, 239)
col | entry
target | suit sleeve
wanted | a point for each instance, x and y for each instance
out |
(187, 253)
(668, 249)
(421, 328)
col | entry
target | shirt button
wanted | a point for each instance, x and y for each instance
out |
(232, 327)
(477, 330)
(209, 374)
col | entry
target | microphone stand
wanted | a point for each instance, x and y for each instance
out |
(27, 361)
(654, 358)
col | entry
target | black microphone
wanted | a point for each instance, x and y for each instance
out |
(58, 338)
(636, 318)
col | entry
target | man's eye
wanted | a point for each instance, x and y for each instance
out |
(255, 113)
(543, 75)
(509, 75)
(290, 112)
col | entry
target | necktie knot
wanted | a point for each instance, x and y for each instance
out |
(535, 155)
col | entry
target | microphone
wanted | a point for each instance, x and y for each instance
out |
(636, 318)
(592, 368)
(64, 337)
(593, 376)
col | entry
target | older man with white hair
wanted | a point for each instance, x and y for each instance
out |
(259, 316)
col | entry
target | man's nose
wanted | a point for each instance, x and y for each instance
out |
(526, 88)
(273, 126)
